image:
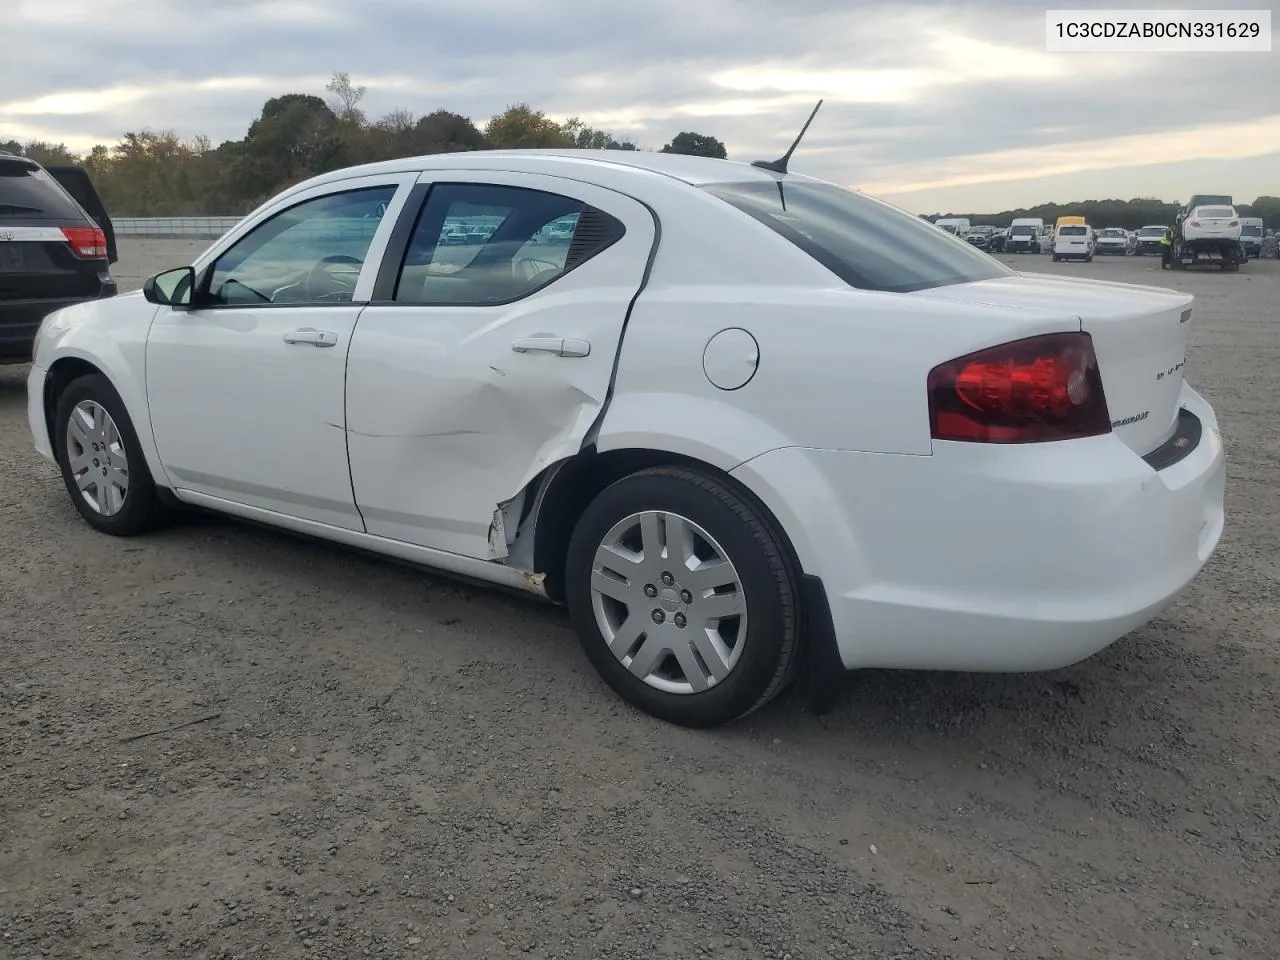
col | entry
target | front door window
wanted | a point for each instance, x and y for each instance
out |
(308, 254)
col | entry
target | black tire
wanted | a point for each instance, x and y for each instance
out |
(142, 510)
(758, 550)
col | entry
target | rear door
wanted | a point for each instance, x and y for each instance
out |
(480, 363)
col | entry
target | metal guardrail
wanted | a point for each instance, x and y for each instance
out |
(206, 227)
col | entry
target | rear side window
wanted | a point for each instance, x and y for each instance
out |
(479, 244)
(866, 243)
(27, 191)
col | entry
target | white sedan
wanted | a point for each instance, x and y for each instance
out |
(1212, 223)
(741, 422)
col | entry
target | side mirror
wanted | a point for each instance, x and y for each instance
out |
(172, 288)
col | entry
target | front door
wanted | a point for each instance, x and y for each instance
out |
(489, 353)
(245, 386)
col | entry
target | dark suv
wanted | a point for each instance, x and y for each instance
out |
(56, 247)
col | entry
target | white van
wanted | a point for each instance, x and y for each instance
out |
(1024, 235)
(1073, 241)
(1251, 236)
(957, 225)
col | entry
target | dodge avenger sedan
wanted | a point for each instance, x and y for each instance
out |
(746, 424)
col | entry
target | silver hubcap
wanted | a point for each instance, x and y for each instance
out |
(669, 602)
(97, 459)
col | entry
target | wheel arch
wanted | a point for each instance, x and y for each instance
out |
(68, 368)
(563, 492)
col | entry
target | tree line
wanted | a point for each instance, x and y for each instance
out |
(298, 135)
(153, 173)
(1129, 214)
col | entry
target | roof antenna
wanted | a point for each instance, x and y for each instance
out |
(780, 165)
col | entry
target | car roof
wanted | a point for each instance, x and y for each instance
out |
(689, 169)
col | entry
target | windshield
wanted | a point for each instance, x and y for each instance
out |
(1251, 230)
(1214, 213)
(1071, 232)
(866, 243)
(1112, 233)
(1151, 232)
(1022, 231)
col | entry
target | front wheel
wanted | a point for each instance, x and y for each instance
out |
(684, 596)
(101, 460)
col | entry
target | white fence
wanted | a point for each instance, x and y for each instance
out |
(207, 227)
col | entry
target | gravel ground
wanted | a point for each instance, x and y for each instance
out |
(376, 762)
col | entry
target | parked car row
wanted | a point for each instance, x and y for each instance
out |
(1211, 220)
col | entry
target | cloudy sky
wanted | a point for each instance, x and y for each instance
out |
(934, 106)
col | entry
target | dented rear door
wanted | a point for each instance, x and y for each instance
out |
(489, 348)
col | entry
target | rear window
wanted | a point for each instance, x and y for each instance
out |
(27, 191)
(866, 243)
(1214, 213)
(1071, 231)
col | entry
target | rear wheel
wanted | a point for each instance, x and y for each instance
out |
(101, 460)
(684, 596)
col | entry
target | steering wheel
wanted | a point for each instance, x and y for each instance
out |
(530, 268)
(340, 283)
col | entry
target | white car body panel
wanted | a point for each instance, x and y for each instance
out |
(223, 386)
(110, 334)
(932, 554)
(994, 558)
(446, 422)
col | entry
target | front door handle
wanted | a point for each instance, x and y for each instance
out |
(317, 338)
(550, 343)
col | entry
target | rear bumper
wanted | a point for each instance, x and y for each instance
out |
(996, 558)
(21, 319)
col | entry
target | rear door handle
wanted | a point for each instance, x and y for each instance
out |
(317, 338)
(550, 343)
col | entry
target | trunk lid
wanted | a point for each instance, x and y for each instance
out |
(1139, 334)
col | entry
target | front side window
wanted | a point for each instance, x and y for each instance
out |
(483, 244)
(866, 243)
(310, 253)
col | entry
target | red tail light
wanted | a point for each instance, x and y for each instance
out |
(1234, 223)
(1195, 223)
(87, 243)
(1027, 391)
